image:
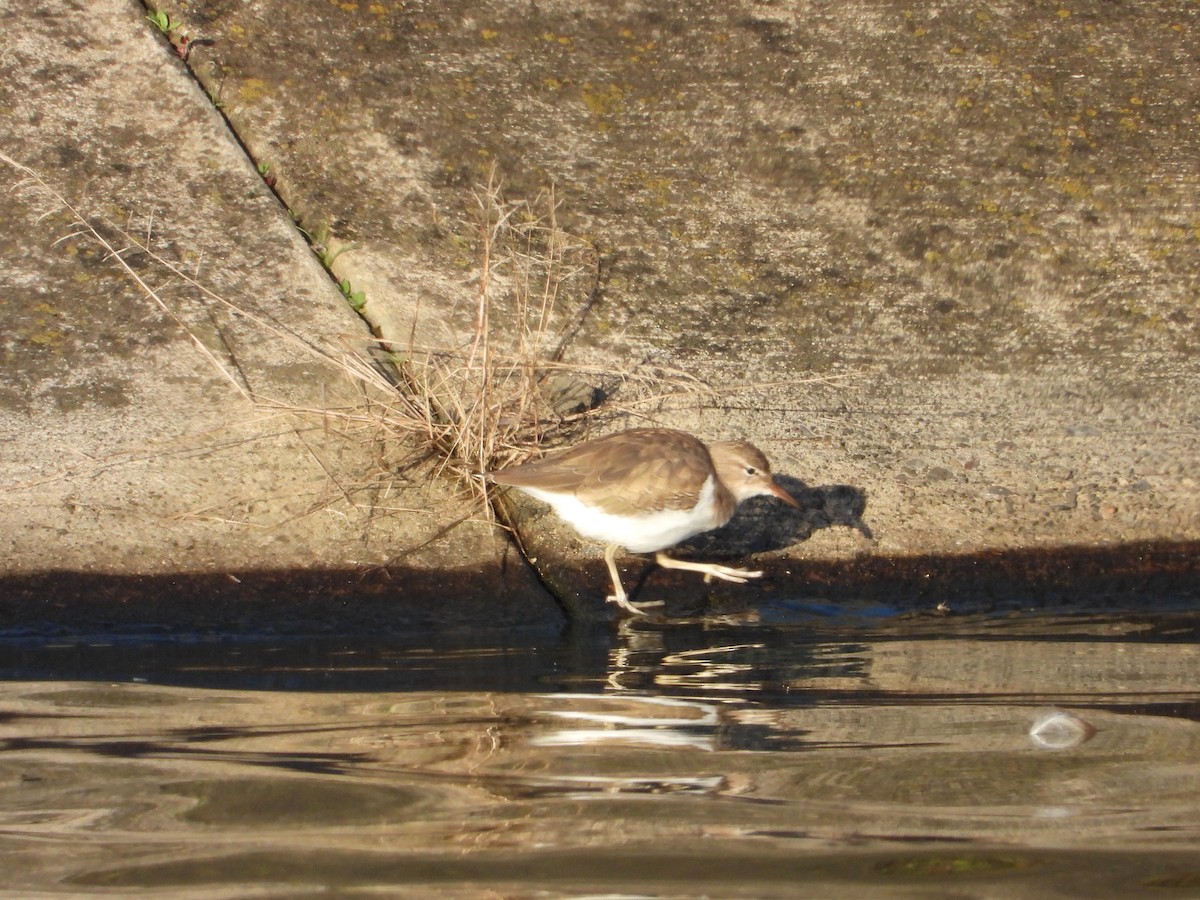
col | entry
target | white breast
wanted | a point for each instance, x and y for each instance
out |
(641, 534)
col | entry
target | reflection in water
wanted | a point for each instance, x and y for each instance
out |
(655, 721)
(713, 662)
(669, 758)
(1058, 730)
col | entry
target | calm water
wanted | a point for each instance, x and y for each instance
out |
(817, 756)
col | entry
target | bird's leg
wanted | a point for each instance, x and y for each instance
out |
(708, 570)
(618, 596)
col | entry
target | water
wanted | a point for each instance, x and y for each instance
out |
(761, 756)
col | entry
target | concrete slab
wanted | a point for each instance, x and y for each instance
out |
(940, 263)
(188, 413)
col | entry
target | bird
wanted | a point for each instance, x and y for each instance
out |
(647, 489)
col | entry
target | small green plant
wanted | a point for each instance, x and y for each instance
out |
(265, 173)
(163, 22)
(324, 244)
(328, 253)
(356, 299)
(327, 250)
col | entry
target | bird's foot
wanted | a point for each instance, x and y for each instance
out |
(622, 600)
(737, 576)
(708, 570)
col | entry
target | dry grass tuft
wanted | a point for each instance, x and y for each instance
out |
(477, 406)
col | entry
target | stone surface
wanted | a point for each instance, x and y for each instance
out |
(939, 262)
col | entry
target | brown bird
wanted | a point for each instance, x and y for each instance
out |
(647, 489)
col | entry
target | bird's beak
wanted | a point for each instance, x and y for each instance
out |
(783, 495)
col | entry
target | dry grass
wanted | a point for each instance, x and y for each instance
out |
(465, 410)
(482, 404)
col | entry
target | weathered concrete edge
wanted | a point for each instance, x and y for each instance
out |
(1145, 578)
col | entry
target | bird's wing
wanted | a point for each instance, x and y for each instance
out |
(628, 473)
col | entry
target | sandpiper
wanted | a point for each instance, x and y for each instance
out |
(647, 489)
